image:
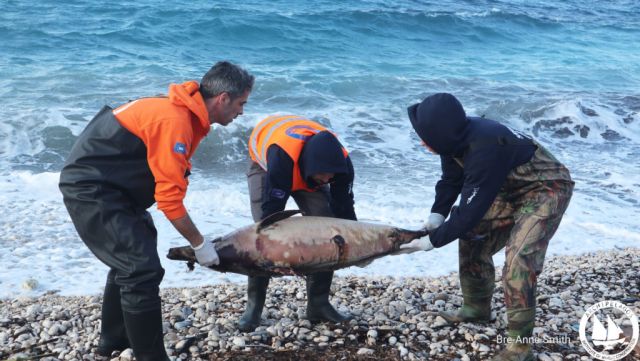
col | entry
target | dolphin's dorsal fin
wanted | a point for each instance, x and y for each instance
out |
(278, 216)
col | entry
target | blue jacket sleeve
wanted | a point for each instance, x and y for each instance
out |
(485, 171)
(342, 194)
(449, 186)
(277, 188)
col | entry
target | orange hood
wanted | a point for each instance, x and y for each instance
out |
(187, 95)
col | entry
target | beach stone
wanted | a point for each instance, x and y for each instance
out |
(439, 322)
(392, 340)
(182, 324)
(555, 302)
(171, 336)
(33, 310)
(483, 348)
(239, 341)
(407, 294)
(201, 314)
(379, 316)
(365, 351)
(588, 299)
(423, 326)
(544, 357)
(180, 344)
(403, 351)
(126, 355)
(441, 297)
(23, 337)
(328, 333)
(54, 330)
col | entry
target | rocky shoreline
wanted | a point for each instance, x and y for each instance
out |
(396, 318)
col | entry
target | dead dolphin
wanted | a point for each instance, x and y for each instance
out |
(286, 245)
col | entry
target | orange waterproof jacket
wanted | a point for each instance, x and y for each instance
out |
(171, 128)
(289, 132)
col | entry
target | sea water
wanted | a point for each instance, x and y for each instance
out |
(565, 72)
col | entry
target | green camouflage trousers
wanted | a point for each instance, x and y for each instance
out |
(522, 219)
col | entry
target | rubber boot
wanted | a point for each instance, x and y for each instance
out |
(520, 331)
(145, 335)
(113, 335)
(472, 310)
(256, 294)
(476, 306)
(318, 307)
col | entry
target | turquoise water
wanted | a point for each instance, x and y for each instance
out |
(566, 71)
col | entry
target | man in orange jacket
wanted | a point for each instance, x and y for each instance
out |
(124, 161)
(295, 156)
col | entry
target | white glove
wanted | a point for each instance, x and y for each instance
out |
(420, 244)
(434, 221)
(206, 254)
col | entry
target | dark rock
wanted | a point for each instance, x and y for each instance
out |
(628, 119)
(547, 124)
(632, 102)
(588, 111)
(562, 133)
(583, 130)
(612, 135)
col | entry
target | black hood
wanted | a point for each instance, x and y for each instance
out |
(440, 122)
(322, 153)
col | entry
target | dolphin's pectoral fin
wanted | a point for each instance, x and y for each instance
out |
(342, 245)
(278, 216)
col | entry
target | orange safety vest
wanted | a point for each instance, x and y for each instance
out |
(289, 132)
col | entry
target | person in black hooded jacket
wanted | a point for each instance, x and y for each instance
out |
(292, 156)
(513, 193)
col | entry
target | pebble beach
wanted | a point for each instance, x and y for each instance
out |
(395, 318)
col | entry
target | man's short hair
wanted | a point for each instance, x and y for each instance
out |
(225, 77)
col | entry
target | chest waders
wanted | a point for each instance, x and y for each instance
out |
(522, 219)
(107, 186)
